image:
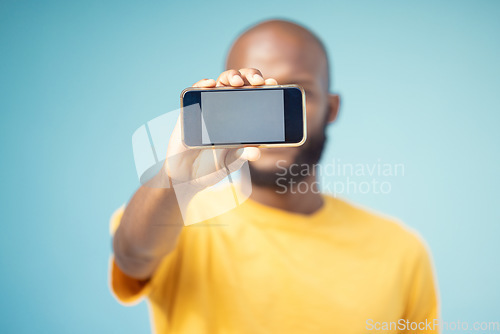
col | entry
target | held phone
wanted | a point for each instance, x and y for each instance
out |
(263, 116)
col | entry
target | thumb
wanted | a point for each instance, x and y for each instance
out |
(248, 153)
(235, 158)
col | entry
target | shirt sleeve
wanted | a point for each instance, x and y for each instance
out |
(126, 289)
(423, 300)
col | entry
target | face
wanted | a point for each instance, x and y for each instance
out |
(290, 61)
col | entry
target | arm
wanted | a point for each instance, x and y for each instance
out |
(148, 231)
(152, 221)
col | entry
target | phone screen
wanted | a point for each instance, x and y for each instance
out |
(243, 116)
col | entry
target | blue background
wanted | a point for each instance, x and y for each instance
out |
(420, 84)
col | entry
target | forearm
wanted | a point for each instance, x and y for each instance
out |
(148, 231)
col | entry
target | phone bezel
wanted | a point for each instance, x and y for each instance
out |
(254, 144)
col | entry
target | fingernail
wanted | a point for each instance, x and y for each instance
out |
(258, 77)
(236, 80)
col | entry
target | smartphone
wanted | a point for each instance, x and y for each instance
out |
(262, 116)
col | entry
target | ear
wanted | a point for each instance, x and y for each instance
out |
(333, 107)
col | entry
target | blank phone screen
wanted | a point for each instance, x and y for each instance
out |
(242, 116)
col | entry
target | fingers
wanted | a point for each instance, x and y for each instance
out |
(230, 78)
(235, 158)
(235, 78)
(252, 76)
(244, 153)
(205, 83)
(206, 173)
(271, 82)
(250, 153)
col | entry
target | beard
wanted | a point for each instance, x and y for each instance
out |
(309, 155)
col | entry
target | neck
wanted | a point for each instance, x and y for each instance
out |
(305, 201)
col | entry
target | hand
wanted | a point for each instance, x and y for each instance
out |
(201, 168)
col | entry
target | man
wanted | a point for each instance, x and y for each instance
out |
(293, 262)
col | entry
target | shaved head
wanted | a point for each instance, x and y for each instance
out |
(280, 41)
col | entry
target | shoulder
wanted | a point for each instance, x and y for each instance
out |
(379, 228)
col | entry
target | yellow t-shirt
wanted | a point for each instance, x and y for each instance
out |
(257, 269)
